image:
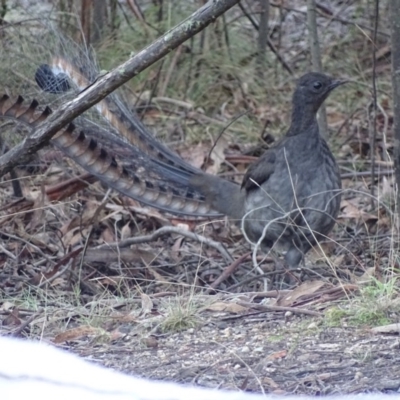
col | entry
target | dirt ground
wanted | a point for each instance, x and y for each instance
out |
(283, 342)
(261, 351)
(184, 301)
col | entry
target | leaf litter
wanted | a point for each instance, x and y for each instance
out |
(67, 283)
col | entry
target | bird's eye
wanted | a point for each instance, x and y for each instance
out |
(317, 85)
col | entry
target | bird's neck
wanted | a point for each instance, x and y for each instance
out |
(304, 120)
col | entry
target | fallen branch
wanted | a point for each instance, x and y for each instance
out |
(107, 83)
(166, 230)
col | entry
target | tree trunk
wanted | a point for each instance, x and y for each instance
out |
(395, 36)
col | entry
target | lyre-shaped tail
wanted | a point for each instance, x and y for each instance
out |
(128, 171)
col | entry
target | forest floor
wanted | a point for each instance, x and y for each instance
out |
(133, 289)
(260, 351)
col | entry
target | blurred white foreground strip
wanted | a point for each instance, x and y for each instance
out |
(32, 370)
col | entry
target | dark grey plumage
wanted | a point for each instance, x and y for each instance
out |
(296, 183)
(293, 190)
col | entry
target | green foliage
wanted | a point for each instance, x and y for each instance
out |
(376, 305)
(180, 316)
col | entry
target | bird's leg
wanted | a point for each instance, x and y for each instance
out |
(285, 276)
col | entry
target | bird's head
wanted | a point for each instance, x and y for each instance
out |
(313, 88)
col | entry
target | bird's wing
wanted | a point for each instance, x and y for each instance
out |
(260, 171)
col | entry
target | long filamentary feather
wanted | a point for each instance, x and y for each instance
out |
(128, 127)
(53, 78)
(119, 172)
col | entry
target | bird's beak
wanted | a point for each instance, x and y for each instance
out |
(337, 83)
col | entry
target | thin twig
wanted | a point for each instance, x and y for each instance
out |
(222, 132)
(165, 230)
(20, 328)
(316, 62)
(354, 174)
(68, 257)
(331, 17)
(285, 65)
(228, 271)
(374, 101)
(7, 253)
(294, 310)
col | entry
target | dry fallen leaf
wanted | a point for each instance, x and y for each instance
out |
(306, 288)
(107, 235)
(7, 305)
(12, 319)
(366, 277)
(76, 238)
(388, 187)
(147, 304)
(175, 249)
(195, 155)
(351, 211)
(157, 276)
(392, 328)
(70, 225)
(217, 155)
(269, 382)
(126, 232)
(278, 355)
(227, 307)
(76, 333)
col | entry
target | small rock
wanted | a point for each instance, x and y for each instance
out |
(288, 314)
